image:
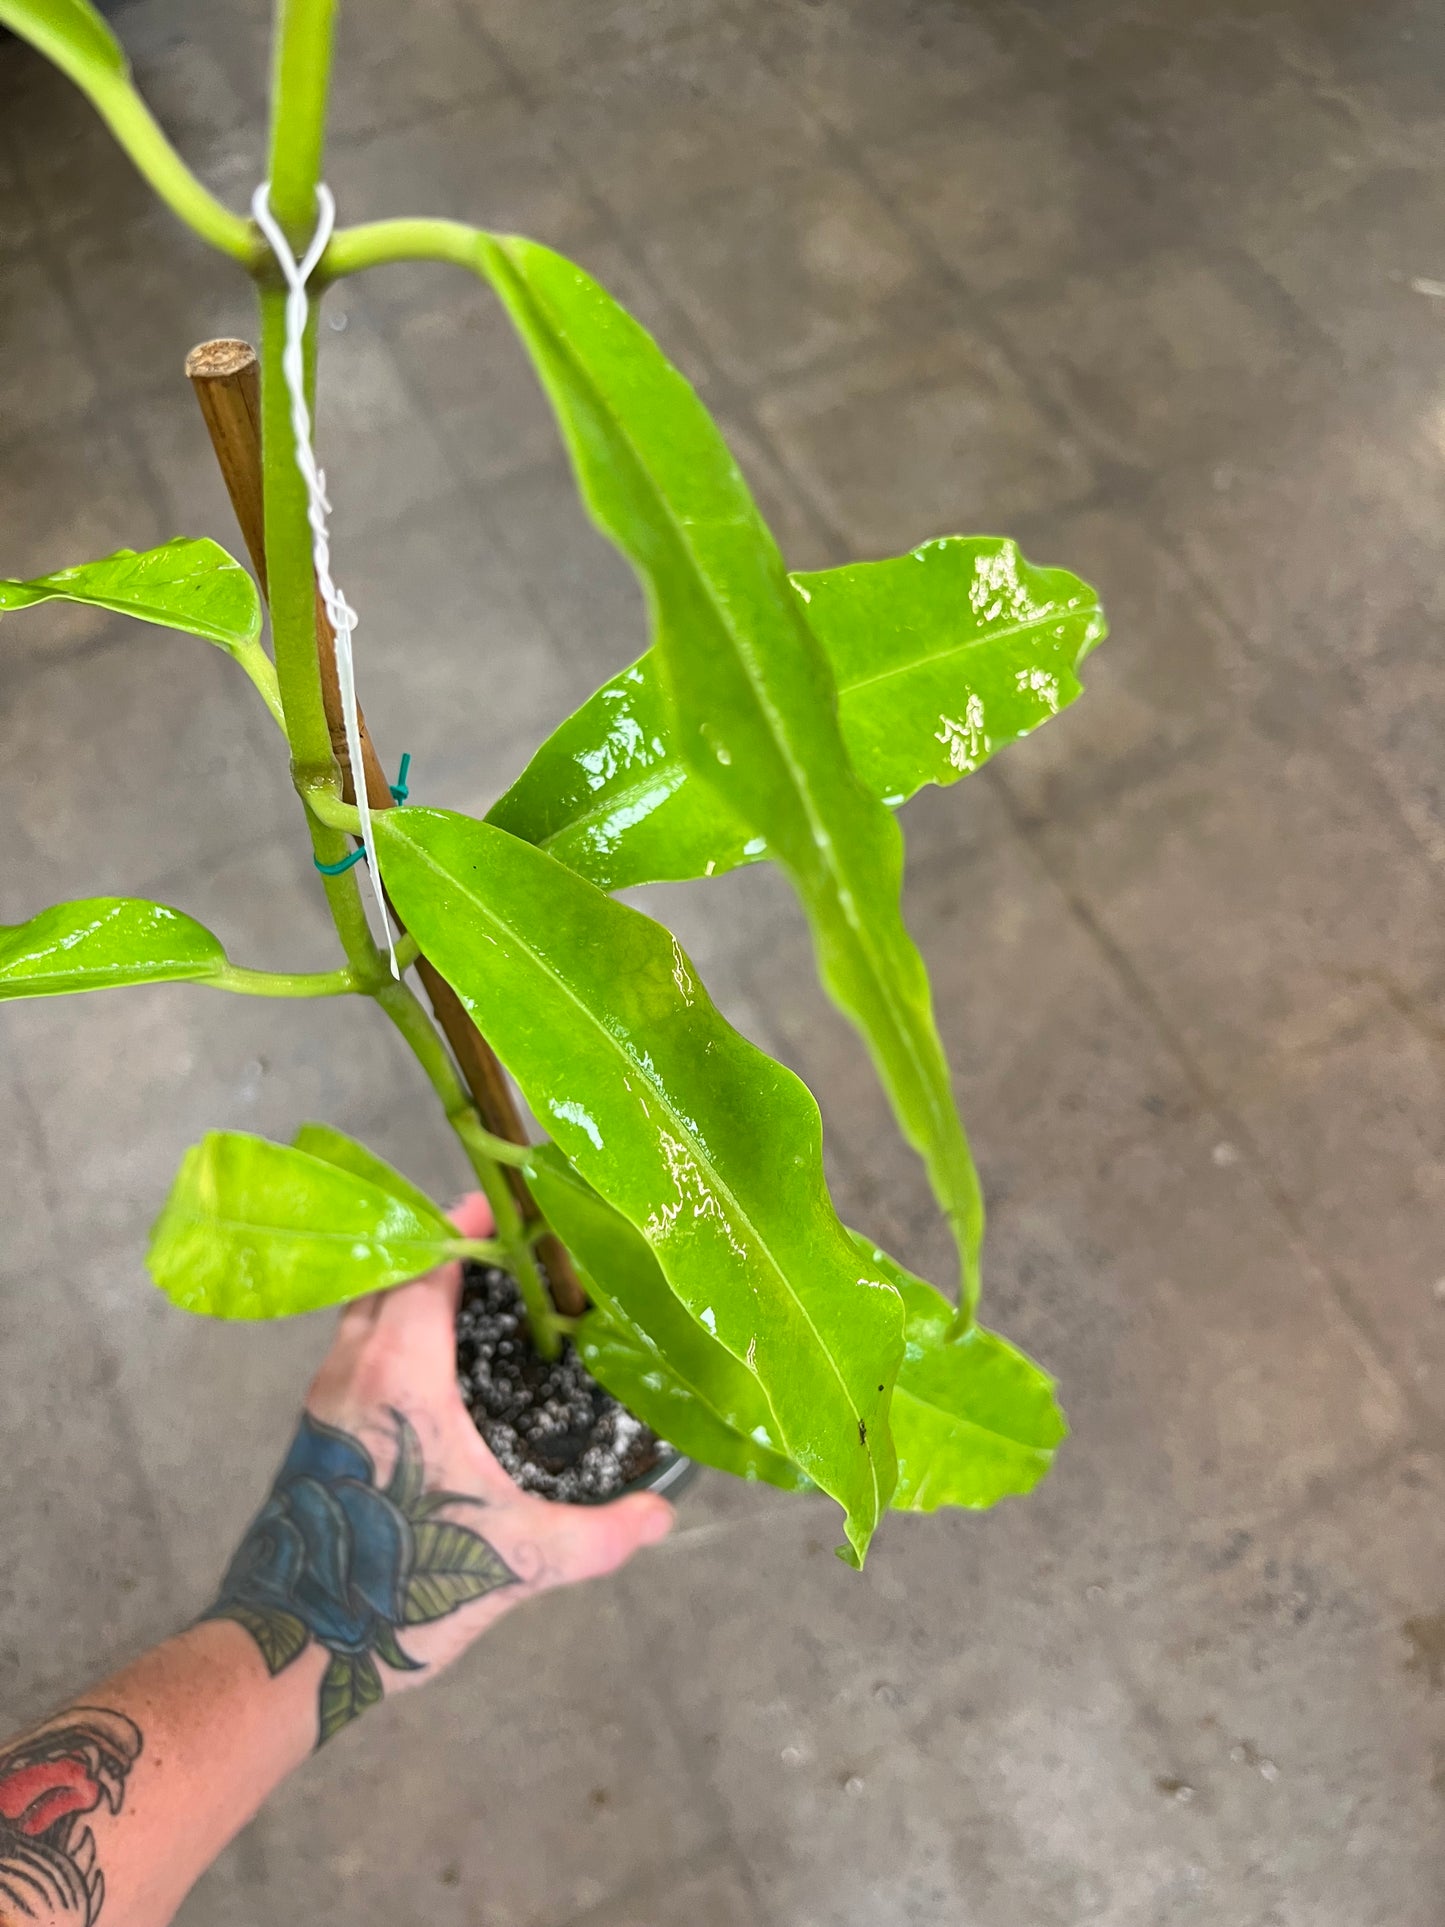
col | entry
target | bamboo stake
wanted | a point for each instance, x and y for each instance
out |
(225, 377)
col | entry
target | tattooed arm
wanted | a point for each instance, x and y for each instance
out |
(390, 1540)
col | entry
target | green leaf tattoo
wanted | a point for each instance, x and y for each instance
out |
(336, 1558)
(454, 1566)
(349, 1685)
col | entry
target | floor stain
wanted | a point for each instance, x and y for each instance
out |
(1426, 1634)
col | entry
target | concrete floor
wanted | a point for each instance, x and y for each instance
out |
(1156, 288)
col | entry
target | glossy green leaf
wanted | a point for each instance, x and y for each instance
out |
(648, 1387)
(253, 1229)
(189, 584)
(751, 701)
(99, 943)
(942, 657)
(974, 1420)
(323, 1141)
(708, 1147)
(71, 34)
(641, 1342)
(948, 654)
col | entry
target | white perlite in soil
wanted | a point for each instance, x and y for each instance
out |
(549, 1423)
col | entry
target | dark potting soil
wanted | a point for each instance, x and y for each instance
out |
(550, 1423)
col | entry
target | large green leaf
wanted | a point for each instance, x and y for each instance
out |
(974, 1420)
(98, 943)
(711, 1149)
(641, 1342)
(253, 1229)
(189, 584)
(752, 705)
(942, 658)
(71, 34)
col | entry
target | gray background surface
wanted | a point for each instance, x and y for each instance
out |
(1156, 289)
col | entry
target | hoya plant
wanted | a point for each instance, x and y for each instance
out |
(675, 1227)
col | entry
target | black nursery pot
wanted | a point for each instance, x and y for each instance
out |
(548, 1421)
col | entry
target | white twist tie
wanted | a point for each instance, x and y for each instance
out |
(343, 616)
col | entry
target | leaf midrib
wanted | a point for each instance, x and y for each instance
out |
(823, 841)
(901, 1391)
(607, 801)
(510, 930)
(595, 810)
(960, 648)
(228, 1221)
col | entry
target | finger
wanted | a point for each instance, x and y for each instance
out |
(472, 1216)
(425, 1311)
(428, 1306)
(588, 1541)
(359, 1318)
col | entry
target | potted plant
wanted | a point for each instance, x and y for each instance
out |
(674, 1235)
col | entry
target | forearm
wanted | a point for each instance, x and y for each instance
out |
(126, 1796)
(391, 1538)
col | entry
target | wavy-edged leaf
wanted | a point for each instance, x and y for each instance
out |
(453, 1567)
(190, 584)
(704, 1143)
(750, 697)
(102, 943)
(942, 657)
(349, 1685)
(253, 1229)
(335, 1147)
(974, 1419)
(71, 34)
(280, 1635)
(641, 1342)
(948, 654)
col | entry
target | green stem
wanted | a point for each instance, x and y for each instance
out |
(513, 1236)
(334, 813)
(283, 983)
(135, 128)
(289, 570)
(300, 71)
(485, 1250)
(259, 667)
(374, 244)
(300, 81)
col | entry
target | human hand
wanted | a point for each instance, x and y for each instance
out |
(392, 1533)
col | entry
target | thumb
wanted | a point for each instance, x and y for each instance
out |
(592, 1540)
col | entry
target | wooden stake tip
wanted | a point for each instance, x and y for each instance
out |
(219, 360)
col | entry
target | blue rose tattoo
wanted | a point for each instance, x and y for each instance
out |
(335, 1558)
